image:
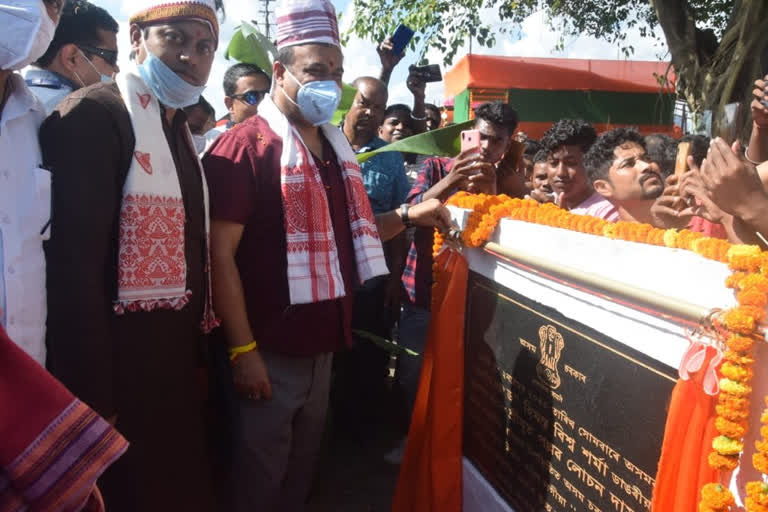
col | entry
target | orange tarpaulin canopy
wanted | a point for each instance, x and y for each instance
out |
(490, 72)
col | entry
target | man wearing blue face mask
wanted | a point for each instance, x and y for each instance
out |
(128, 278)
(83, 52)
(292, 236)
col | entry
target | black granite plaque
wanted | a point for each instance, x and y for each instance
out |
(557, 416)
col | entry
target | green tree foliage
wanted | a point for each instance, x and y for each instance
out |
(714, 45)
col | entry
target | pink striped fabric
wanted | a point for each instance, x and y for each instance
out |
(306, 21)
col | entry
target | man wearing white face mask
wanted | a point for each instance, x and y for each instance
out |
(83, 52)
(292, 236)
(128, 266)
(25, 201)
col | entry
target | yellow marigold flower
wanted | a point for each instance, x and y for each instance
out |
(727, 446)
(670, 238)
(734, 388)
(740, 357)
(744, 257)
(736, 372)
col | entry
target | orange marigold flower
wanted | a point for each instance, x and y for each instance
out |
(753, 505)
(762, 446)
(733, 414)
(757, 282)
(760, 461)
(740, 321)
(732, 429)
(758, 491)
(734, 280)
(739, 343)
(716, 496)
(723, 462)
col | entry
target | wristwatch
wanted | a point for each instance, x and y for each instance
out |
(404, 215)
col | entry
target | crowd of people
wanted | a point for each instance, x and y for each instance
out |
(194, 283)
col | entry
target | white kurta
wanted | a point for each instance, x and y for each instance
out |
(25, 211)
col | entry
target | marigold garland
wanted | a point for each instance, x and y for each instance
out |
(749, 279)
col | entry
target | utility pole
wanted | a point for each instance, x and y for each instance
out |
(267, 12)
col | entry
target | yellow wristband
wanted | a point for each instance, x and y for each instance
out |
(242, 349)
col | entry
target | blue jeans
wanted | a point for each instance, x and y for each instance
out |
(414, 324)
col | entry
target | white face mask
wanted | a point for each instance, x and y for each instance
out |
(27, 32)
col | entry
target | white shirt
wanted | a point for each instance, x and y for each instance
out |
(25, 211)
(49, 87)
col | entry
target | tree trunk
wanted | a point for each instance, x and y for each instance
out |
(710, 80)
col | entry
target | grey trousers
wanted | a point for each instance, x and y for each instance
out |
(278, 440)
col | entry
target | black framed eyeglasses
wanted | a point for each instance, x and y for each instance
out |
(109, 56)
(251, 97)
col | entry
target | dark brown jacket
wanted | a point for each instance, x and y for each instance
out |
(141, 367)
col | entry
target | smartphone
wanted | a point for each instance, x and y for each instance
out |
(681, 162)
(470, 139)
(401, 38)
(430, 72)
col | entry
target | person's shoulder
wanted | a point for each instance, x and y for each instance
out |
(254, 132)
(436, 162)
(376, 143)
(98, 99)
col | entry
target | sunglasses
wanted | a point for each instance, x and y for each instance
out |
(251, 97)
(109, 56)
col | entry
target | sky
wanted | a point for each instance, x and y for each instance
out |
(536, 38)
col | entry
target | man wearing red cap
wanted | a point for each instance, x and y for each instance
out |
(292, 235)
(128, 293)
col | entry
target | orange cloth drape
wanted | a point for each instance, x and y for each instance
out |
(683, 467)
(431, 473)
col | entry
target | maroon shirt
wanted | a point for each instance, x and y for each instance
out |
(243, 173)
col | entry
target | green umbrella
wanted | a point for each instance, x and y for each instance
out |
(443, 142)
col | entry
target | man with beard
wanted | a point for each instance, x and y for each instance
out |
(566, 143)
(621, 171)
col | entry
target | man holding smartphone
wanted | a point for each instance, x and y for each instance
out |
(474, 170)
(391, 52)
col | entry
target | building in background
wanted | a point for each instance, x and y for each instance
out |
(607, 93)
